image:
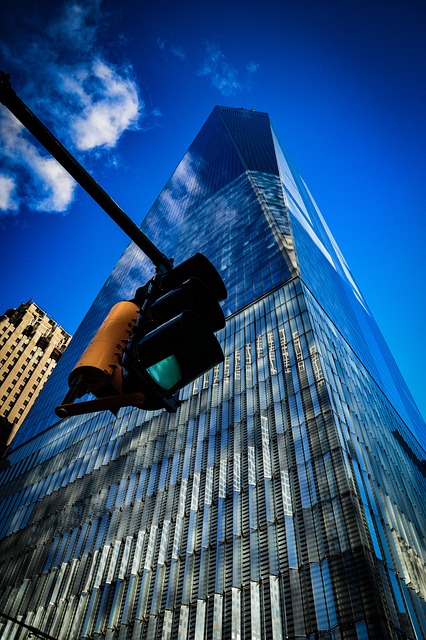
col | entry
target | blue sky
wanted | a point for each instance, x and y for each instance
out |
(127, 87)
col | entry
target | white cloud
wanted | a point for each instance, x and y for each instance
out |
(222, 75)
(56, 182)
(53, 185)
(90, 101)
(77, 25)
(108, 112)
(7, 190)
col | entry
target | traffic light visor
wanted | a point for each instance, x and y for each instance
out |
(197, 266)
(192, 295)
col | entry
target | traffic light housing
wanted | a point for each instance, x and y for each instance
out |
(175, 342)
(99, 371)
(152, 346)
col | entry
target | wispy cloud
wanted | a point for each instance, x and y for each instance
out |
(52, 184)
(252, 67)
(222, 74)
(7, 193)
(161, 43)
(167, 48)
(67, 78)
(178, 52)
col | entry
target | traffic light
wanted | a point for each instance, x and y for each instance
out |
(152, 346)
(99, 371)
(174, 342)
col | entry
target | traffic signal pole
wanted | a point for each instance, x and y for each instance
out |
(148, 348)
(19, 109)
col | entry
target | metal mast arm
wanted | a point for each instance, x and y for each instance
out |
(15, 105)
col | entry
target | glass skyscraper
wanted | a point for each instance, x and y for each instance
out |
(286, 496)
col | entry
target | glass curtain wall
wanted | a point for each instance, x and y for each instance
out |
(284, 499)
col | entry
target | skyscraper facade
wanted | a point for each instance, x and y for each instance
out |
(31, 344)
(284, 498)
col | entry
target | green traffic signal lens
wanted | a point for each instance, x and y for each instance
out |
(166, 373)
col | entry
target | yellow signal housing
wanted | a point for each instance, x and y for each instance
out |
(99, 365)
